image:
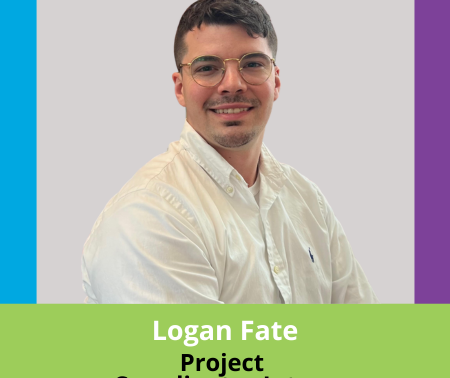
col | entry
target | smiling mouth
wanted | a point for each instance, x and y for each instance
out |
(231, 110)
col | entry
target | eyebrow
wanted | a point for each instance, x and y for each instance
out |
(206, 58)
(213, 55)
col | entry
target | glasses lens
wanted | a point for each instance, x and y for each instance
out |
(256, 68)
(207, 70)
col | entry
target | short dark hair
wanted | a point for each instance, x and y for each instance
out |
(248, 13)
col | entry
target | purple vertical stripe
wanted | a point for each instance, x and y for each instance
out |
(432, 151)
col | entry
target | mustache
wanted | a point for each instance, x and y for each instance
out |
(228, 100)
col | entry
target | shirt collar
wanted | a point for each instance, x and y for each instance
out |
(271, 169)
(219, 169)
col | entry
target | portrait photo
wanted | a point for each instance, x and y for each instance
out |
(211, 166)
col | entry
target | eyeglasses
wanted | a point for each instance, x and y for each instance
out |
(209, 70)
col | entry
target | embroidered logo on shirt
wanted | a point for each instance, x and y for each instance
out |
(310, 255)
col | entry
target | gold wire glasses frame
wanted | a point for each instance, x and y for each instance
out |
(219, 73)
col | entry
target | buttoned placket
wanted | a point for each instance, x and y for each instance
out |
(278, 269)
(229, 179)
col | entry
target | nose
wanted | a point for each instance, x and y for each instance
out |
(232, 81)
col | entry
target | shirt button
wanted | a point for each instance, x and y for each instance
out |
(238, 177)
(276, 269)
(229, 189)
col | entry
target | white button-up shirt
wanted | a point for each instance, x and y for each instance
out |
(187, 229)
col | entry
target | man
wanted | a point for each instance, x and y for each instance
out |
(216, 219)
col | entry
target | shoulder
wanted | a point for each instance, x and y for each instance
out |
(163, 173)
(297, 178)
(152, 191)
(155, 170)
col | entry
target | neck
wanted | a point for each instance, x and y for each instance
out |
(244, 161)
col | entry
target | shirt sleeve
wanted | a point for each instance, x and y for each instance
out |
(147, 250)
(349, 283)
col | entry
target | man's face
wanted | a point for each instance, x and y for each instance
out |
(230, 131)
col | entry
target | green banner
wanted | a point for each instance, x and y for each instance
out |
(275, 341)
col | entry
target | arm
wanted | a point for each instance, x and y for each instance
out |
(350, 284)
(145, 250)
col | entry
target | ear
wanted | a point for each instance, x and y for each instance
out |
(179, 93)
(276, 92)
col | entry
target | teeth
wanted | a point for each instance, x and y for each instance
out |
(229, 111)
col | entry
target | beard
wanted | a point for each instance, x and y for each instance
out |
(236, 139)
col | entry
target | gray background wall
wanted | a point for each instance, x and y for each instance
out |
(344, 119)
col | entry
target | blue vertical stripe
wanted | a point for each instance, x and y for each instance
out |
(18, 151)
